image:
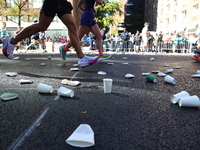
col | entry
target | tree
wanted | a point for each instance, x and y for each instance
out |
(105, 13)
(16, 11)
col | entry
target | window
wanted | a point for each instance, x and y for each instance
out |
(195, 10)
(184, 14)
(167, 21)
(175, 3)
(168, 7)
(161, 12)
(174, 18)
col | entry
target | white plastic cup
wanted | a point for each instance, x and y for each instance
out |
(44, 88)
(175, 98)
(190, 101)
(107, 83)
(169, 79)
(62, 91)
(83, 136)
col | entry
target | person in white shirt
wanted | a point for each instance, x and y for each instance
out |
(145, 31)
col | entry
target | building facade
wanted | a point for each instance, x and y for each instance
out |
(173, 16)
(134, 15)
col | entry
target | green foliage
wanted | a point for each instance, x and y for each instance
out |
(114, 31)
(105, 13)
(19, 9)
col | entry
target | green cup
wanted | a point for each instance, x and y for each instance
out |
(151, 78)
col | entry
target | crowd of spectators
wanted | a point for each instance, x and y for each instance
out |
(126, 42)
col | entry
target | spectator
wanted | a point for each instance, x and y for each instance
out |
(20, 42)
(116, 42)
(155, 42)
(92, 41)
(145, 31)
(160, 42)
(150, 41)
(137, 41)
(4, 30)
(125, 37)
(42, 37)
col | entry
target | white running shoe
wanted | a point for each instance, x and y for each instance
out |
(87, 60)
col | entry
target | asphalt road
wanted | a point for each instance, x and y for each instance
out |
(137, 115)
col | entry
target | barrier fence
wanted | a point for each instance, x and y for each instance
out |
(129, 46)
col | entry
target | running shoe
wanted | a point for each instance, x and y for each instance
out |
(195, 57)
(63, 50)
(8, 48)
(86, 61)
(104, 56)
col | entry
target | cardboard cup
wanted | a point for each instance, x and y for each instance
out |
(175, 98)
(83, 136)
(62, 91)
(190, 101)
(151, 78)
(169, 79)
(44, 88)
(107, 85)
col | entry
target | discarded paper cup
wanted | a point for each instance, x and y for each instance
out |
(198, 72)
(190, 101)
(169, 79)
(144, 74)
(22, 81)
(42, 64)
(177, 67)
(175, 98)
(155, 71)
(62, 91)
(107, 85)
(9, 96)
(152, 59)
(74, 69)
(166, 65)
(101, 73)
(83, 136)
(195, 75)
(44, 88)
(161, 74)
(128, 75)
(151, 78)
(169, 71)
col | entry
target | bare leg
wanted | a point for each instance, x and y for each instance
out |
(42, 25)
(68, 20)
(81, 32)
(95, 30)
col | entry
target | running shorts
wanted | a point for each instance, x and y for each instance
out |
(87, 18)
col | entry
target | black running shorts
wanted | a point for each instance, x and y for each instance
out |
(53, 7)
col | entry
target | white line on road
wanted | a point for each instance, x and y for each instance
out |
(19, 141)
(74, 76)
